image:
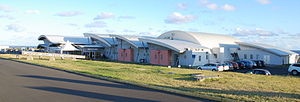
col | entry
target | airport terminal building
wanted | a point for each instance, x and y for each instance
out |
(172, 48)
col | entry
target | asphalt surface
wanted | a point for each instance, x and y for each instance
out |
(274, 71)
(29, 83)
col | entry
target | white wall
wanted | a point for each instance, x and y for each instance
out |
(193, 58)
(259, 54)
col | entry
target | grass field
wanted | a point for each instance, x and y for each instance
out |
(237, 86)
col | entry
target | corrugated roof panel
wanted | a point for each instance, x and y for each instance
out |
(176, 45)
(273, 49)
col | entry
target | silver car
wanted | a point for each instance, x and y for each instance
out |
(211, 67)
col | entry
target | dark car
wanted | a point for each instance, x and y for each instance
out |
(259, 71)
(258, 63)
(242, 65)
(262, 63)
(234, 65)
(248, 64)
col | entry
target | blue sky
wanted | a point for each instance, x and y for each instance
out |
(274, 22)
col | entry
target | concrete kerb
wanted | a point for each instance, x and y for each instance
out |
(157, 88)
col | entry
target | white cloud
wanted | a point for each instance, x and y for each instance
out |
(255, 32)
(177, 18)
(181, 6)
(227, 7)
(126, 17)
(69, 13)
(203, 2)
(15, 28)
(5, 8)
(212, 6)
(264, 1)
(7, 16)
(96, 24)
(104, 15)
(32, 12)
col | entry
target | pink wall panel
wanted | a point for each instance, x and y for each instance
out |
(165, 57)
(153, 60)
(125, 55)
(130, 54)
(120, 55)
(160, 57)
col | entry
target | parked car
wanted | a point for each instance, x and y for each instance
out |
(294, 69)
(226, 66)
(259, 71)
(211, 67)
(248, 64)
(262, 63)
(242, 65)
(254, 64)
(258, 63)
(233, 65)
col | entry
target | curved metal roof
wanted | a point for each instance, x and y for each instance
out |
(205, 39)
(133, 40)
(176, 45)
(104, 38)
(42, 46)
(57, 39)
(268, 48)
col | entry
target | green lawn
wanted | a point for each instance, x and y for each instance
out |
(237, 86)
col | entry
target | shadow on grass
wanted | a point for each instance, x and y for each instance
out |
(186, 77)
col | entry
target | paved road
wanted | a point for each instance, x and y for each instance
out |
(28, 83)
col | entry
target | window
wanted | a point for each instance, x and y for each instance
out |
(199, 58)
(206, 55)
(251, 56)
(193, 56)
(216, 56)
(257, 56)
(245, 56)
(161, 57)
(296, 65)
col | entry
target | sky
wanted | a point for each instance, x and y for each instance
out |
(273, 22)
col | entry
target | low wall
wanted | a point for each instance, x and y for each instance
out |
(52, 54)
